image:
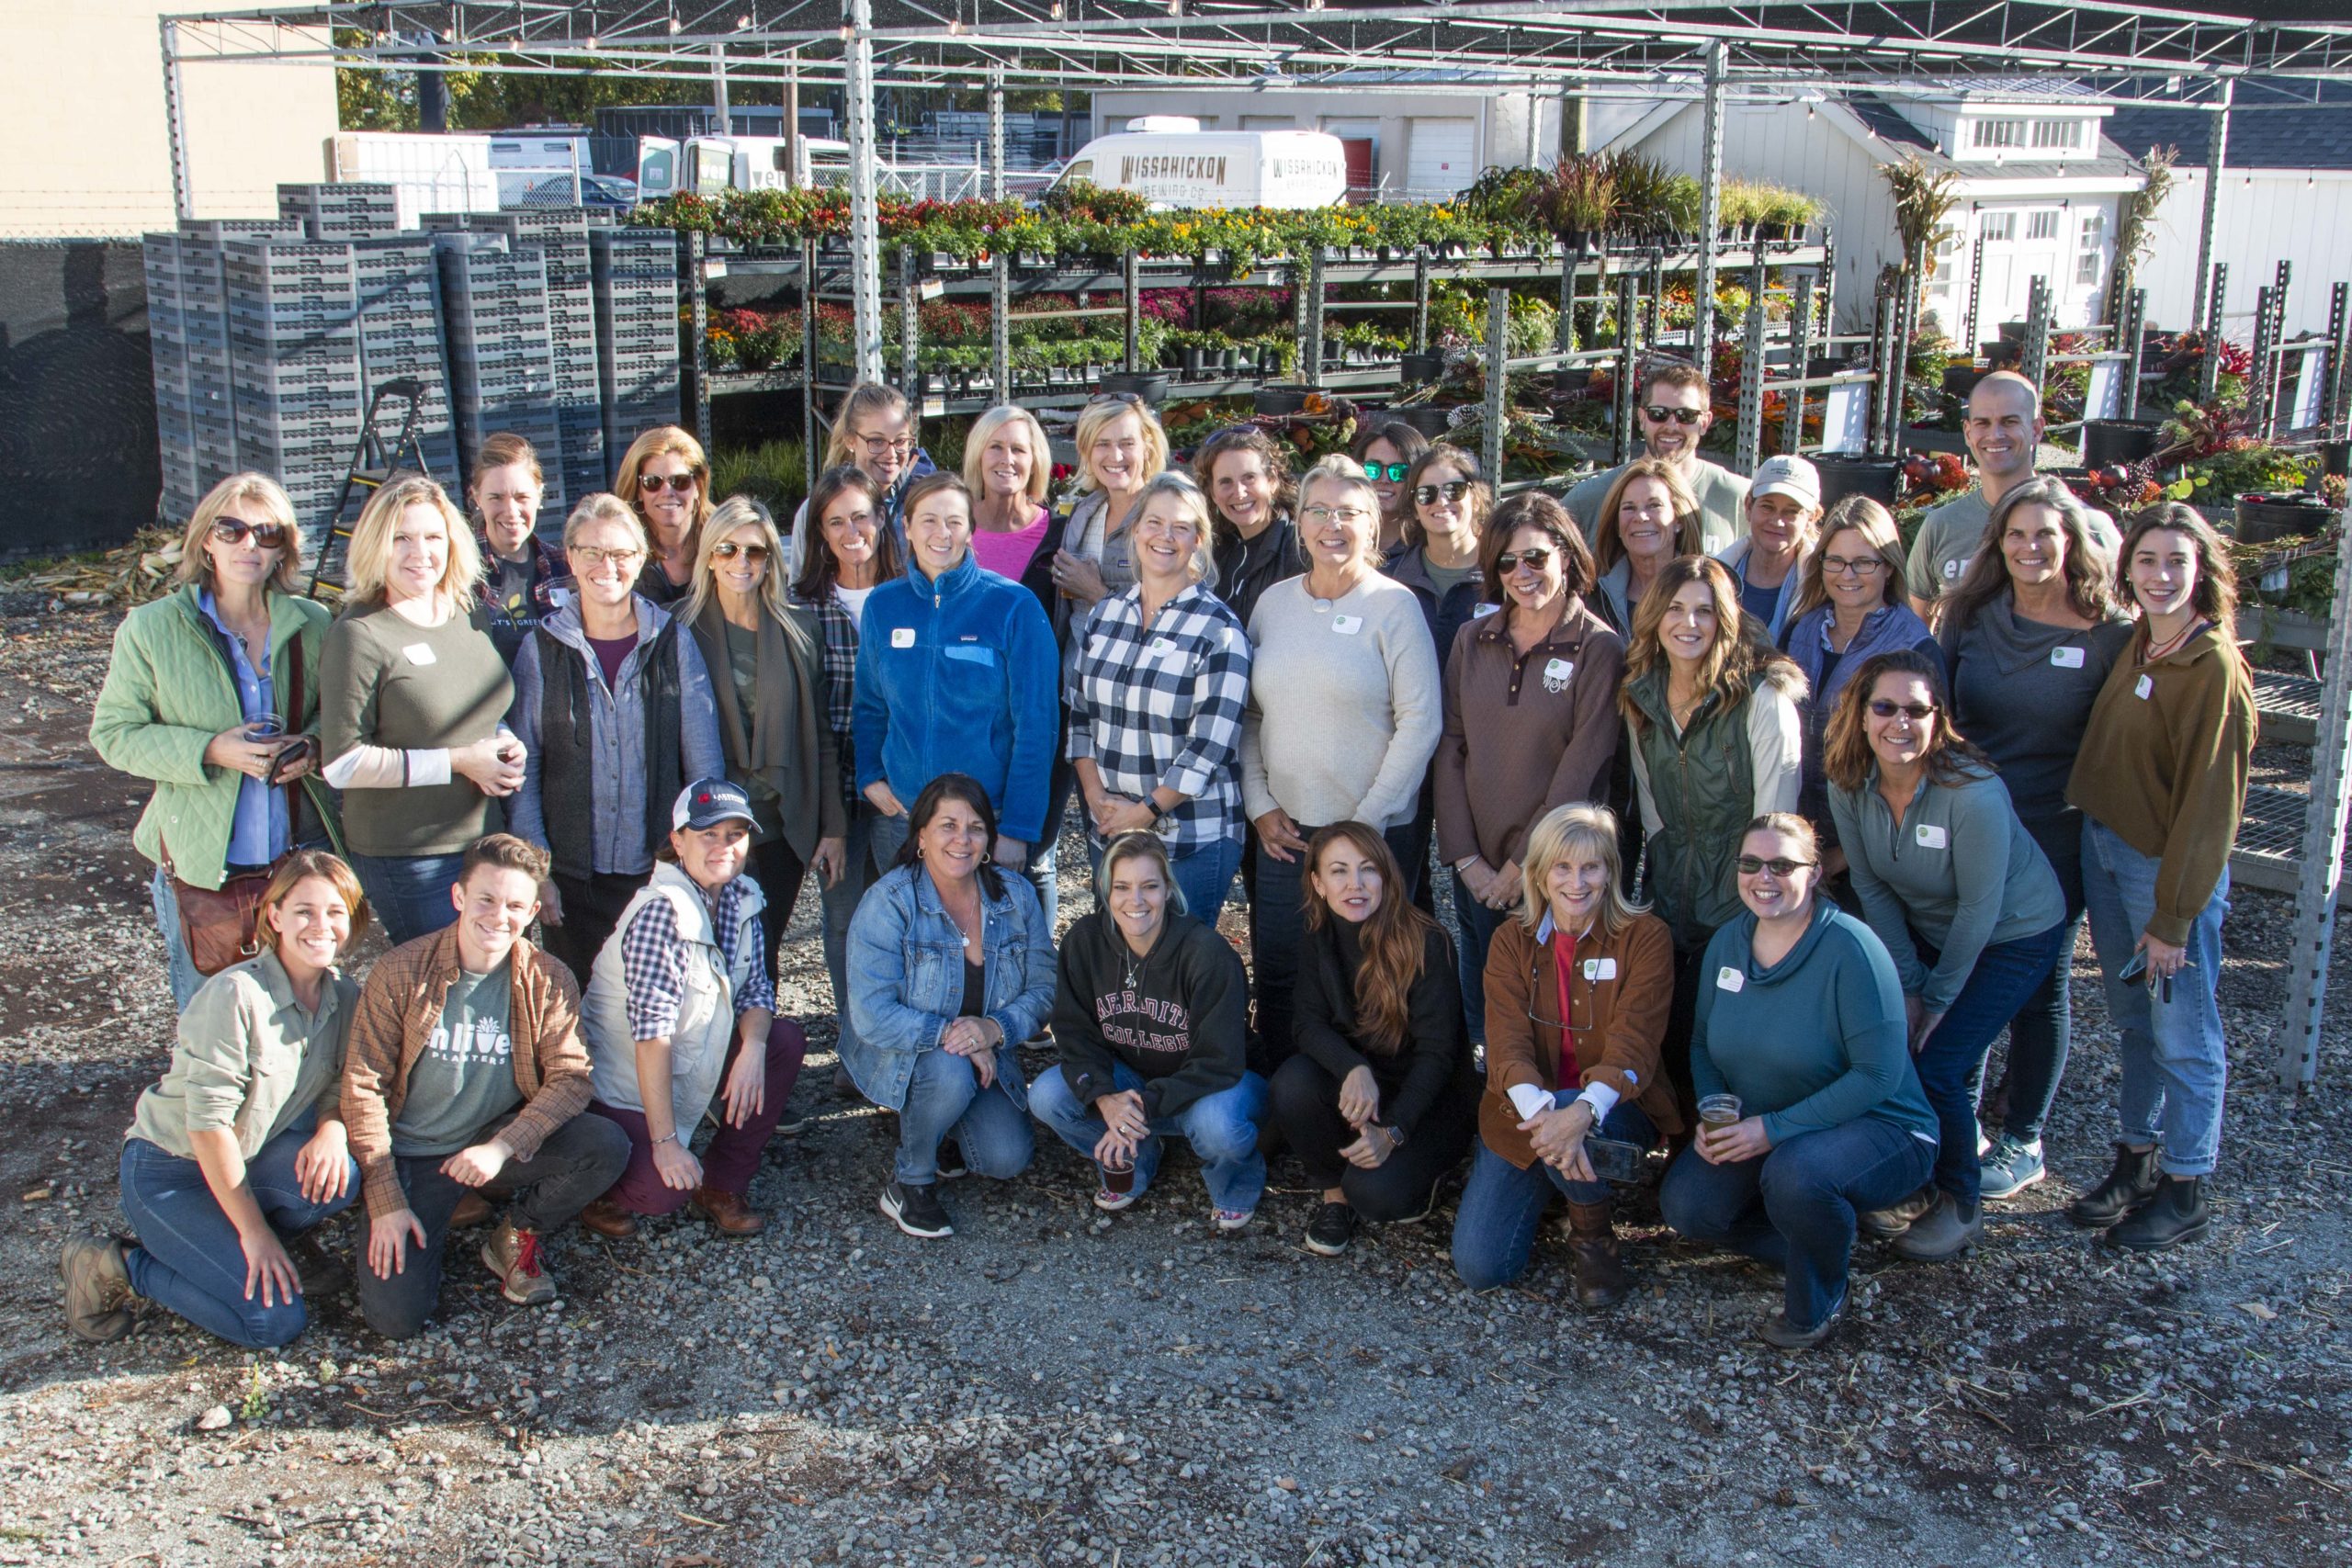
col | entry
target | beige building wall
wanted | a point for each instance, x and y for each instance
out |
(81, 116)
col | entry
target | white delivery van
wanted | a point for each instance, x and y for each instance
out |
(708, 164)
(428, 172)
(1170, 162)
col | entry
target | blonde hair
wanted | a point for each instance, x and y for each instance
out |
(604, 507)
(371, 557)
(1337, 468)
(1559, 833)
(1107, 411)
(269, 499)
(1876, 523)
(1177, 485)
(863, 398)
(736, 514)
(666, 439)
(983, 431)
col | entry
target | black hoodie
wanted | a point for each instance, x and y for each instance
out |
(1176, 1017)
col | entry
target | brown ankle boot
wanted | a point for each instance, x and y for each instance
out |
(607, 1218)
(1592, 1244)
(727, 1212)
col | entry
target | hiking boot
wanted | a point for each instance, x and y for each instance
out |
(1888, 1224)
(1592, 1248)
(1941, 1232)
(97, 1289)
(1781, 1333)
(607, 1218)
(1329, 1232)
(472, 1210)
(2009, 1167)
(727, 1212)
(515, 1257)
(914, 1208)
(2132, 1183)
(320, 1273)
(2178, 1214)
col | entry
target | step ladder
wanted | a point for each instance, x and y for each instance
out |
(376, 459)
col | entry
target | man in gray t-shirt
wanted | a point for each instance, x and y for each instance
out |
(1674, 411)
(464, 1078)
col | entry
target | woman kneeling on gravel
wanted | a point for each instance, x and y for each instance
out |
(1152, 1020)
(1579, 988)
(950, 966)
(1382, 1099)
(241, 1143)
(1808, 1106)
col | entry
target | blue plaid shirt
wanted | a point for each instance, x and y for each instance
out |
(840, 684)
(653, 963)
(1161, 706)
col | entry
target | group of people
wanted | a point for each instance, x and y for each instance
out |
(1758, 833)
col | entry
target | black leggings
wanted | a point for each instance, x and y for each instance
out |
(1305, 1100)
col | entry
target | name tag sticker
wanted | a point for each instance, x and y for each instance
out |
(1730, 979)
(1932, 837)
(2143, 687)
(1600, 969)
(1480, 611)
(1160, 645)
(2066, 658)
(1347, 625)
(1556, 672)
(902, 637)
(422, 653)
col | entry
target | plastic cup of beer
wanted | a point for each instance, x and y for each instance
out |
(1120, 1179)
(1717, 1112)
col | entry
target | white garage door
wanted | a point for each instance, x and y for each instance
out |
(1443, 157)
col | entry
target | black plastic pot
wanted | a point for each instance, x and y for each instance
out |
(1572, 377)
(2335, 458)
(1918, 438)
(1419, 367)
(2279, 516)
(1881, 479)
(2012, 331)
(1284, 399)
(1151, 386)
(1191, 361)
(1823, 365)
(1961, 379)
(2109, 443)
(1430, 421)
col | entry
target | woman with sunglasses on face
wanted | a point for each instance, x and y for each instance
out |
(1957, 891)
(666, 478)
(1388, 448)
(614, 706)
(1245, 475)
(1343, 718)
(1784, 509)
(521, 572)
(768, 663)
(1579, 985)
(1531, 719)
(874, 432)
(1120, 447)
(2029, 634)
(1809, 1108)
(1712, 715)
(2161, 782)
(211, 690)
(1848, 608)
(411, 708)
(1381, 1097)
(1648, 518)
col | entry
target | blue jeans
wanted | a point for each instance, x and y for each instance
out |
(1478, 925)
(2042, 1031)
(176, 962)
(1221, 1127)
(839, 902)
(1795, 1207)
(189, 1260)
(1203, 873)
(944, 1097)
(1277, 925)
(2174, 1065)
(1951, 1063)
(409, 894)
(1494, 1230)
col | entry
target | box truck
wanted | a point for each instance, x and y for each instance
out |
(1170, 162)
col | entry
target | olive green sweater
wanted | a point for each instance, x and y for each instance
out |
(2164, 766)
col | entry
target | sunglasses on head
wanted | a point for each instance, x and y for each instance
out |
(1918, 713)
(1453, 489)
(1393, 473)
(755, 553)
(654, 482)
(1535, 558)
(233, 531)
(1751, 865)
(1660, 413)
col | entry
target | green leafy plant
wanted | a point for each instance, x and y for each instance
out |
(774, 473)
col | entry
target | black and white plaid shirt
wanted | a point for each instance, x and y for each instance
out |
(840, 684)
(1162, 706)
(653, 963)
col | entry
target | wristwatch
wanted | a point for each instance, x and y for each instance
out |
(1395, 1135)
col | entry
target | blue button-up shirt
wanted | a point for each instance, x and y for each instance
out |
(259, 832)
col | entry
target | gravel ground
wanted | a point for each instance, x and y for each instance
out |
(1056, 1388)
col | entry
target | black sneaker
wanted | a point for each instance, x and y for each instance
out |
(951, 1161)
(917, 1210)
(1329, 1232)
(2178, 1214)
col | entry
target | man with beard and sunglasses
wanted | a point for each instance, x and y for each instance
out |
(1674, 411)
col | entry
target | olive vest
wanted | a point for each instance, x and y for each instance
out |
(1703, 784)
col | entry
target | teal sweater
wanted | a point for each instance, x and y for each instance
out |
(1814, 1041)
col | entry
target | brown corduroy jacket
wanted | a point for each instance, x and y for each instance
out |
(399, 1007)
(1627, 1013)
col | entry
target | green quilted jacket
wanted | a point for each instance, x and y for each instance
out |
(169, 690)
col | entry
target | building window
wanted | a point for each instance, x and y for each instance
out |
(2000, 133)
(2063, 134)
(2090, 253)
(2042, 225)
(2000, 226)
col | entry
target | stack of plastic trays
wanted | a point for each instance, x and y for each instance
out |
(167, 342)
(399, 335)
(294, 363)
(203, 332)
(559, 236)
(502, 371)
(635, 273)
(340, 212)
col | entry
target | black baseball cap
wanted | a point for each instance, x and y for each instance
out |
(706, 803)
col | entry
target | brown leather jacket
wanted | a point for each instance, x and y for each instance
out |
(1628, 1013)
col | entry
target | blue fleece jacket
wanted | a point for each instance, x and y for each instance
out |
(959, 675)
(1814, 1041)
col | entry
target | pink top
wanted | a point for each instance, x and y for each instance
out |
(1009, 555)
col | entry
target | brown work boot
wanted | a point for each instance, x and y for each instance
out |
(727, 1212)
(472, 1210)
(1592, 1245)
(607, 1218)
(515, 1257)
(97, 1289)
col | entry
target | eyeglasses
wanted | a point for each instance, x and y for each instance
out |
(1756, 865)
(1660, 413)
(591, 558)
(233, 531)
(1393, 473)
(1452, 489)
(1534, 560)
(653, 483)
(1918, 713)
(1346, 516)
(1542, 988)
(883, 445)
(755, 553)
(1129, 399)
(1838, 566)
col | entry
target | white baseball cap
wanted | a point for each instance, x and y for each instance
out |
(1792, 476)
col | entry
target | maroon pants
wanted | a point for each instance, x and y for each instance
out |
(733, 1156)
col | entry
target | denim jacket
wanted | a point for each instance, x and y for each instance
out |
(906, 978)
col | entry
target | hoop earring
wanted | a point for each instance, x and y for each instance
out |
(986, 856)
